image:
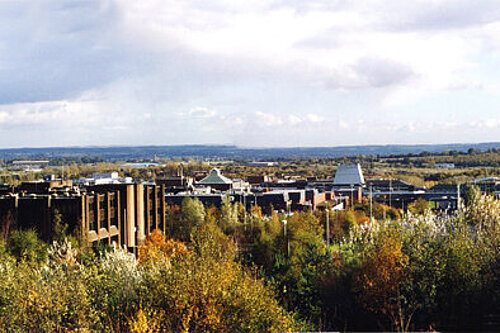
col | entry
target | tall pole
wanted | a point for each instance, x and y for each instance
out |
(244, 211)
(352, 195)
(286, 238)
(287, 247)
(371, 203)
(251, 216)
(327, 227)
(390, 192)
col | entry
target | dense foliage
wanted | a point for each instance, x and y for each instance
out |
(168, 288)
(226, 270)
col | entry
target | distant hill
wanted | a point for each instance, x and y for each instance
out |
(228, 151)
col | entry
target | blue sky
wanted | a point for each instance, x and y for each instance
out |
(261, 73)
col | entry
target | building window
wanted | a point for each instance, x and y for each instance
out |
(114, 221)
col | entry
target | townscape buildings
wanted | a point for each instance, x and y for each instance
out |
(106, 208)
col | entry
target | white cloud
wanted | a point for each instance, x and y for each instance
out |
(201, 112)
(267, 119)
(314, 118)
(67, 113)
(276, 37)
(294, 120)
(237, 121)
(116, 64)
(492, 123)
(343, 124)
(4, 116)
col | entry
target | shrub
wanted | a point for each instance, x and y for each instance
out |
(26, 246)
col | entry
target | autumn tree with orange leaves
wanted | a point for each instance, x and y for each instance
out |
(377, 284)
(157, 248)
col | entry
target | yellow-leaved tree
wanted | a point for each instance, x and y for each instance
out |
(377, 284)
(157, 248)
(207, 290)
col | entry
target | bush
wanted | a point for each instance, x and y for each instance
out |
(26, 246)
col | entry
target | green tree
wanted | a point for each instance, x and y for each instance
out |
(192, 216)
(228, 215)
(350, 221)
(59, 227)
(471, 194)
(26, 246)
(419, 206)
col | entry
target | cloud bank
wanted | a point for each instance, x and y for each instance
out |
(270, 73)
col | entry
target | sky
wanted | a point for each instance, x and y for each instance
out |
(251, 73)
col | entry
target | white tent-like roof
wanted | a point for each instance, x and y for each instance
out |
(349, 175)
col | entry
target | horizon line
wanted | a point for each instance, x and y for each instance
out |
(222, 145)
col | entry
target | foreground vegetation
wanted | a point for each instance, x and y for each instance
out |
(221, 270)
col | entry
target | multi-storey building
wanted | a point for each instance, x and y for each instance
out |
(120, 213)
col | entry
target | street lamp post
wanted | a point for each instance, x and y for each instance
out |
(390, 192)
(286, 237)
(352, 195)
(371, 203)
(327, 227)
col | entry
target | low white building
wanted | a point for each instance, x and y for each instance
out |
(104, 178)
(261, 164)
(445, 165)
